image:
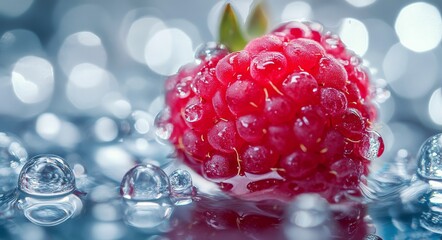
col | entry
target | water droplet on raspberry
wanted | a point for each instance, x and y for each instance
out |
(268, 66)
(209, 50)
(223, 137)
(371, 145)
(302, 88)
(250, 128)
(198, 114)
(299, 164)
(233, 67)
(258, 159)
(163, 128)
(183, 87)
(333, 101)
(278, 110)
(333, 44)
(193, 113)
(219, 167)
(265, 43)
(244, 97)
(330, 73)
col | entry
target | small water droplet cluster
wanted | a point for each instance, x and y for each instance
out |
(150, 195)
(293, 107)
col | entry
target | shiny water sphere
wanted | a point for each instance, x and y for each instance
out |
(210, 49)
(163, 128)
(46, 175)
(430, 158)
(181, 187)
(432, 218)
(12, 157)
(145, 182)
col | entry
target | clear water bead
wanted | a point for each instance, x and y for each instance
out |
(210, 49)
(181, 187)
(432, 218)
(163, 128)
(12, 157)
(430, 158)
(144, 183)
(46, 175)
(371, 145)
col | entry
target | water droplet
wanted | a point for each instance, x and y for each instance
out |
(50, 211)
(46, 175)
(209, 50)
(181, 187)
(371, 145)
(193, 113)
(145, 182)
(430, 158)
(184, 87)
(147, 214)
(163, 128)
(12, 157)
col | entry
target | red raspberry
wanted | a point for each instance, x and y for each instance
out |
(291, 113)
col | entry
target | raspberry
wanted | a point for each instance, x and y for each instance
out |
(290, 113)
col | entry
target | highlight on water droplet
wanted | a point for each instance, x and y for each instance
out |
(144, 183)
(46, 175)
(371, 145)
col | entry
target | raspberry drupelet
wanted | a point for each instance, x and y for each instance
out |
(288, 114)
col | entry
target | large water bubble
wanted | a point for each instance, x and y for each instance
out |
(46, 175)
(144, 183)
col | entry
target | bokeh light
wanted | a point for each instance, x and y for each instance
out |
(419, 26)
(355, 35)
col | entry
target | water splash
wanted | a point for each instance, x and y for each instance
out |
(430, 159)
(181, 187)
(209, 50)
(144, 183)
(46, 175)
(12, 157)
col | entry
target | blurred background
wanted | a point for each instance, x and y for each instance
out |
(77, 77)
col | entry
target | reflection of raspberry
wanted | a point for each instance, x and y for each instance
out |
(285, 115)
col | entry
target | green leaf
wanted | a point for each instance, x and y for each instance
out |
(258, 20)
(230, 33)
